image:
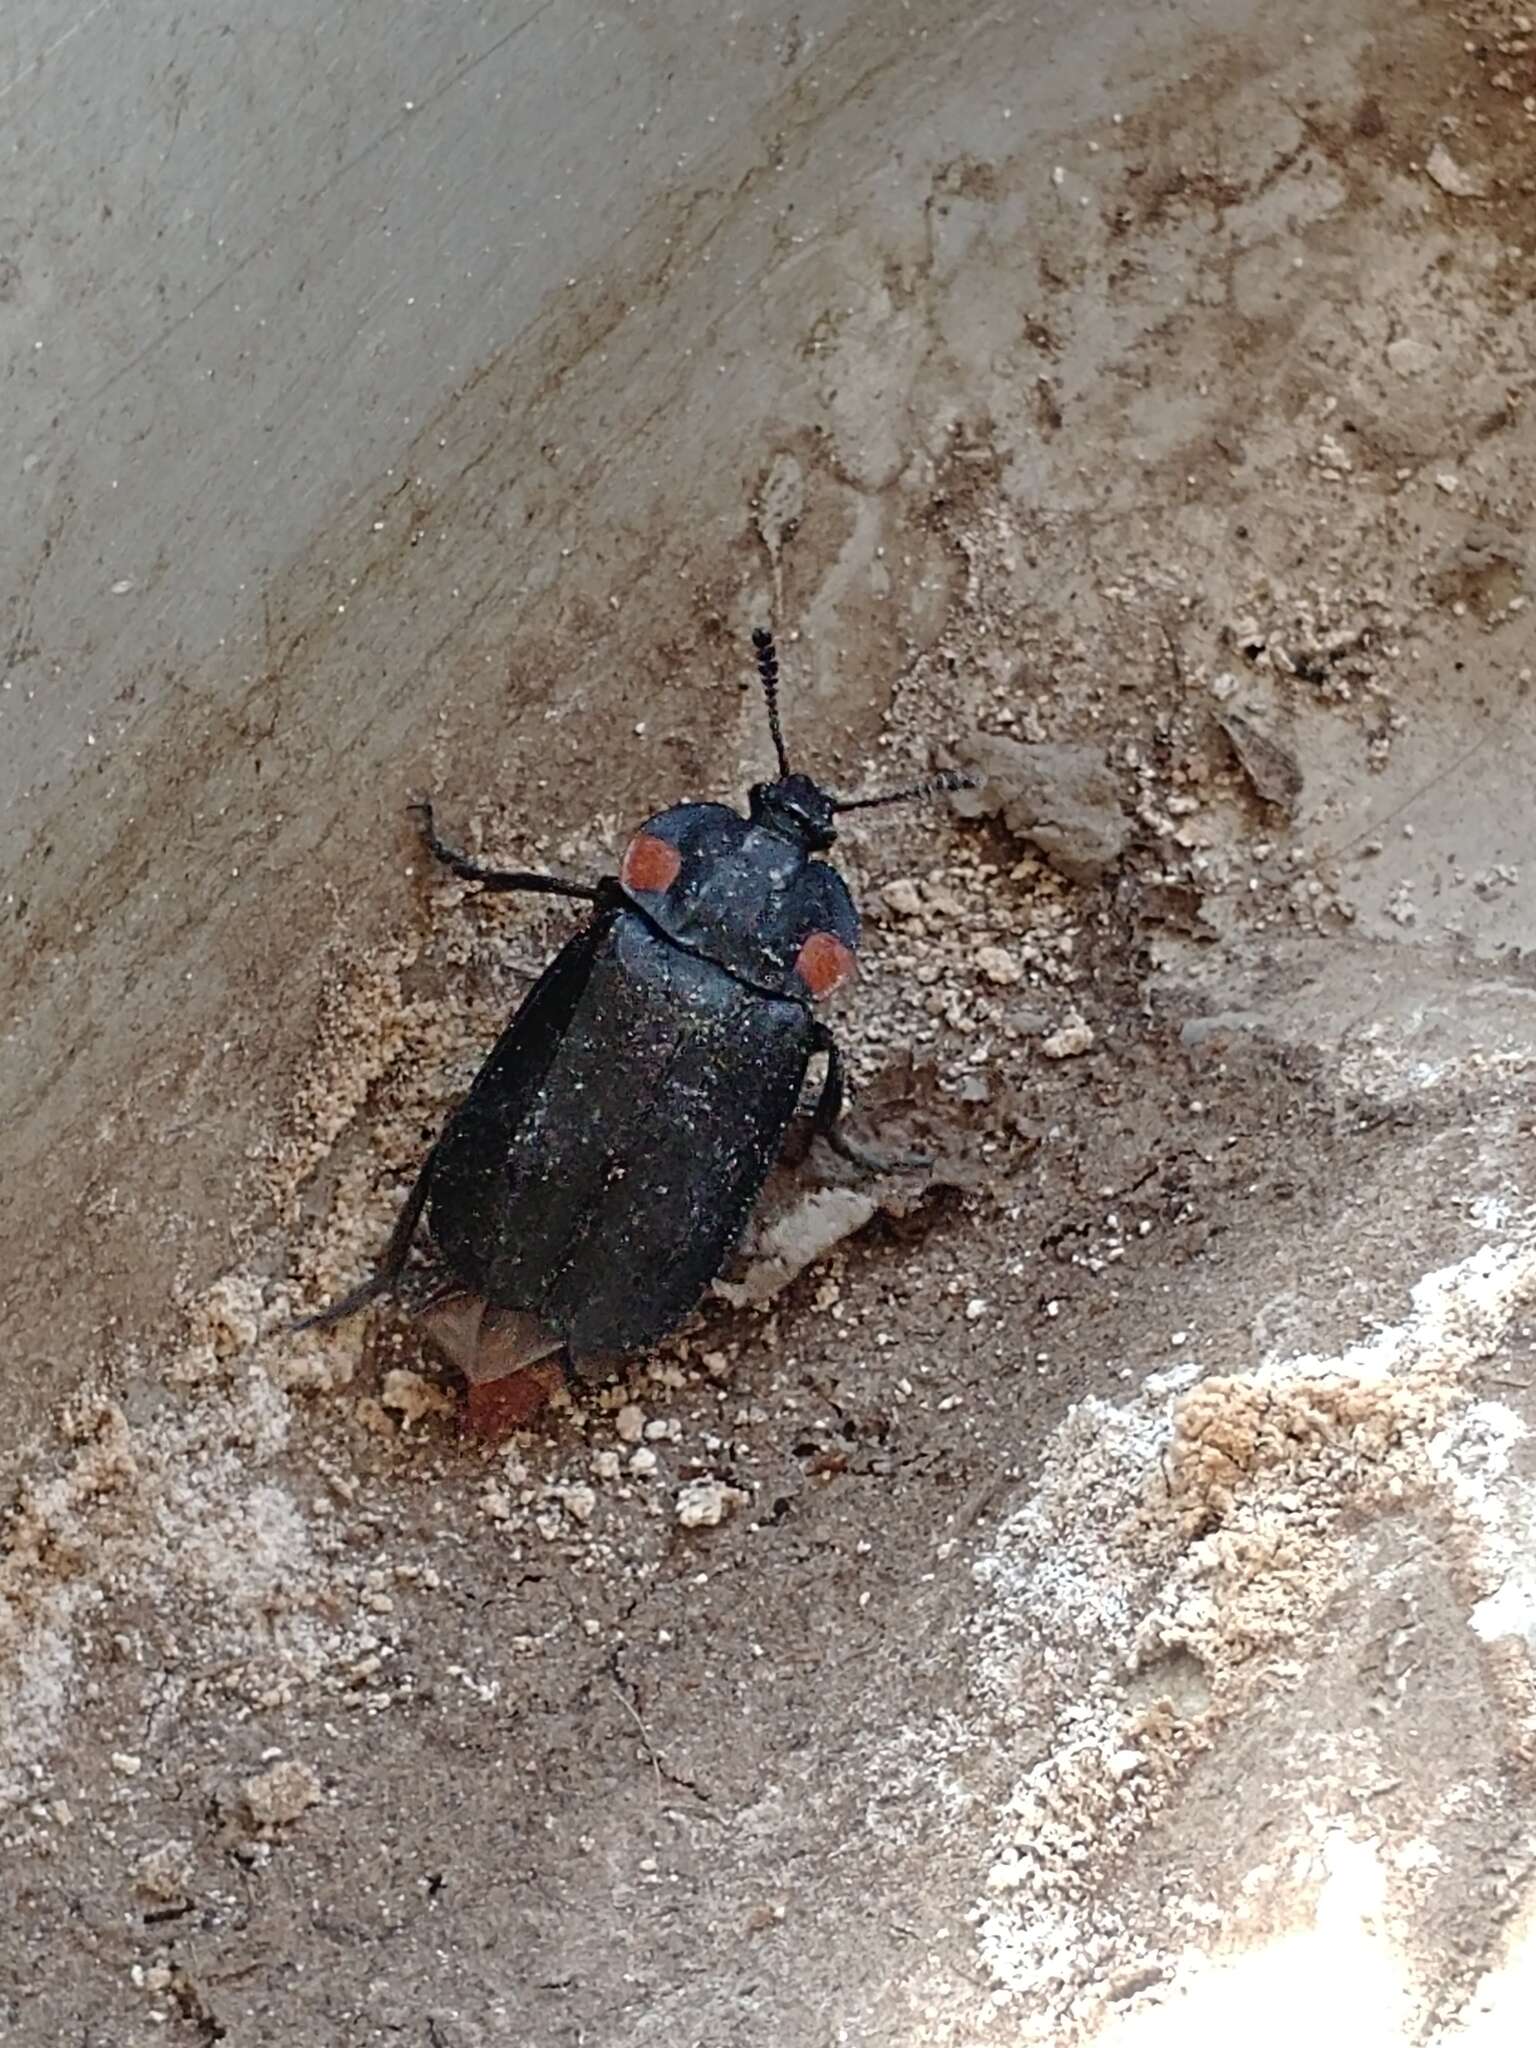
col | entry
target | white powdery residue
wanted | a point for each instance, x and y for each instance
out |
(246, 1547)
(914, 1781)
(1459, 1314)
(1178, 1555)
(38, 1688)
(1054, 1559)
(171, 1512)
(1472, 1456)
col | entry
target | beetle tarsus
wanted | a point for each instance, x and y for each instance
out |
(493, 880)
(877, 1162)
(349, 1304)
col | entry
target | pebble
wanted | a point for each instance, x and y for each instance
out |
(165, 1872)
(578, 1500)
(705, 1503)
(1063, 799)
(281, 1794)
(999, 966)
(1073, 1038)
(1453, 177)
(630, 1423)
(901, 898)
(412, 1397)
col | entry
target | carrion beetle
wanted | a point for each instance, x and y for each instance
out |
(607, 1157)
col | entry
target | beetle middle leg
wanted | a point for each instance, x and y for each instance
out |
(391, 1262)
(494, 879)
(829, 1107)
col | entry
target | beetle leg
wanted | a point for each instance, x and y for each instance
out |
(391, 1263)
(829, 1107)
(495, 879)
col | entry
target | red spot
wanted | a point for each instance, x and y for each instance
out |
(824, 963)
(650, 863)
(497, 1408)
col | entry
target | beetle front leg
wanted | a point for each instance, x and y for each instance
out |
(829, 1107)
(496, 879)
(391, 1263)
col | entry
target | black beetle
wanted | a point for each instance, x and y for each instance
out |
(608, 1154)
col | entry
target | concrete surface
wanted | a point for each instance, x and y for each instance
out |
(1119, 1617)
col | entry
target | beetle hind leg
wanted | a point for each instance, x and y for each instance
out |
(829, 1107)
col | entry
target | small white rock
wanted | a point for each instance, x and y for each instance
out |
(901, 898)
(411, 1396)
(1453, 177)
(999, 966)
(1073, 1038)
(705, 1503)
(1449, 482)
(630, 1423)
(281, 1794)
(643, 1463)
(126, 1764)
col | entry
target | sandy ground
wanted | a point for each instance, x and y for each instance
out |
(1095, 1601)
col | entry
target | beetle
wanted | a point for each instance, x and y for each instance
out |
(608, 1155)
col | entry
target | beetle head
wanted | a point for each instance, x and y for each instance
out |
(794, 806)
(797, 809)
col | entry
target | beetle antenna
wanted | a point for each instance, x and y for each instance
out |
(768, 672)
(936, 785)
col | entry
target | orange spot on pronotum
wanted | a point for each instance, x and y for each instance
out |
(650, 863)
(824, 963)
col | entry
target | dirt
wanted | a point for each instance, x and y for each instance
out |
(1092, 1595)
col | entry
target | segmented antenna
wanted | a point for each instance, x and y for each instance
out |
(768, 671)
(936, 785)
